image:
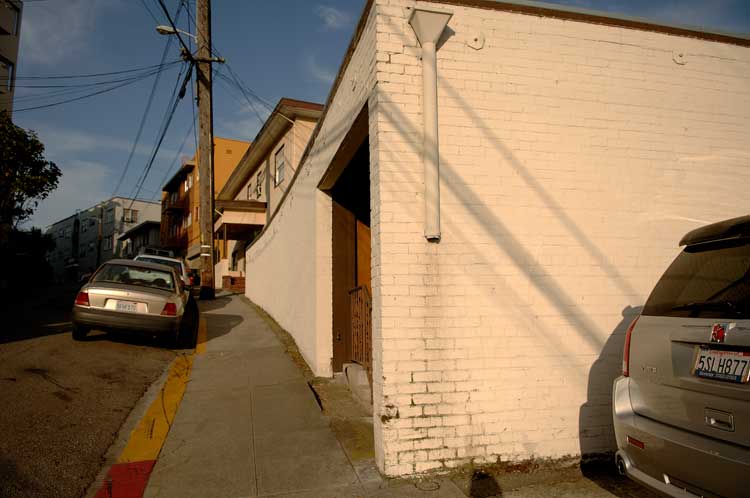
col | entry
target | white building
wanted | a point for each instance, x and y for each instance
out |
(91, 236)
(575, 149)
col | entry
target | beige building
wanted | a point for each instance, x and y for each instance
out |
(180, 227)
(574, 150)
(258, 184)
(10, 34)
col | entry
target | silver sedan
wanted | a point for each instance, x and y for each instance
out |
(133, 296)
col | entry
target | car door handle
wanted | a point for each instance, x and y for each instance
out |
(719, 419)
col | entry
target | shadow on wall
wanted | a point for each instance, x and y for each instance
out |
(595, 426)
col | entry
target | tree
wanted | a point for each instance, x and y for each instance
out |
(25, 176)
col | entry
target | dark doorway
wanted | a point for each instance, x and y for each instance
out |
(351, 259)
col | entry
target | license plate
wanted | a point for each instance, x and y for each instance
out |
(730, 366)
(126, 306)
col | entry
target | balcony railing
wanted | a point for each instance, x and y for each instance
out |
(361, 315)
(179, 204)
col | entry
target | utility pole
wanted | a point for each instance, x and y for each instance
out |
(205, 146)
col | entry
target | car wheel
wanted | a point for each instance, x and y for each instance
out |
(79, 333)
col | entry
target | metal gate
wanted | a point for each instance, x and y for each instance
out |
(361, 315)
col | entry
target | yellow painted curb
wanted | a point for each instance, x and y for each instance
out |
(149, 435)
(200, 346)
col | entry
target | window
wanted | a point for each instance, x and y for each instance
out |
(189, 219)
(185, 185)
(190, 181)
(706, 280)
(107, 243)
(130, 216)
(15, 13)
(6, 75)
(259, 185)
(109, 215)
(279, 162)
(249, 191)
(196, 214)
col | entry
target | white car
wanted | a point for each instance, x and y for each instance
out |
(179, 264)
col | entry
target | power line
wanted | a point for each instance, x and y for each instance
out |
(95, 83)
(75, 89)
(148, 9)
(106, 90)
(93, 75)
(176, 157)
(177, 96)
(146, 110)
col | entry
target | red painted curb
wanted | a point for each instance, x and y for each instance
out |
(126, 480)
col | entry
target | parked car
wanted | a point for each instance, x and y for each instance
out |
(682, 406)
(133, 296)
(179, 264)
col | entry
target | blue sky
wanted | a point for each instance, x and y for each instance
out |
(282, 48)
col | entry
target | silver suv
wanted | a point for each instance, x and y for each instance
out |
(682, 406)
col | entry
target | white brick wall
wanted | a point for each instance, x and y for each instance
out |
(573, 158)
(290, 265)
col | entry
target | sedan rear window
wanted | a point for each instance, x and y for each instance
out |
(133, 275)
(706, 280)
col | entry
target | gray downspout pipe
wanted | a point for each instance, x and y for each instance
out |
(428, 26)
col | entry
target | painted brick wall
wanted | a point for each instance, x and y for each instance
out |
(573, 158)
(290, 263)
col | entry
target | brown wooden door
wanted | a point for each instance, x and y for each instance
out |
(344, 279)
(363, 256)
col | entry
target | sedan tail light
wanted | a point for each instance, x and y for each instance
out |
(626, 351)
(170, 309)
(82, 299)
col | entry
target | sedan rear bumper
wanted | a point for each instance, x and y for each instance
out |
(672, 460)
(114, 320)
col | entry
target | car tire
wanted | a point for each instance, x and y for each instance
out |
(79, 333)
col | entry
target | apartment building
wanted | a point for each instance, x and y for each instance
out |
(91, 236)
(258, 184)
(180, 230)
(10, 34)
(489, 196)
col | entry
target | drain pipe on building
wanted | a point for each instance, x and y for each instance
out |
(428, 25)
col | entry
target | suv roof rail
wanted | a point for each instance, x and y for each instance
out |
(734, 228)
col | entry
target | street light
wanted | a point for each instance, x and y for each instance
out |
(169, 30)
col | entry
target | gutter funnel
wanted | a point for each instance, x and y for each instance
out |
(428, 25)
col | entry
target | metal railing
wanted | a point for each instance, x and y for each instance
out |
(361, 316)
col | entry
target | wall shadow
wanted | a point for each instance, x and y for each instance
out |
(218, 325)
(595, 426)
(213, 304)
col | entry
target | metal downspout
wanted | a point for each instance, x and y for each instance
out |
(428, 25)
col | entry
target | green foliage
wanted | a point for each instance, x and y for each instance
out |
(25, 176)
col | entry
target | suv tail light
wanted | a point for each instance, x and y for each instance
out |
(170, 309)
(82, 299)
(626, 351)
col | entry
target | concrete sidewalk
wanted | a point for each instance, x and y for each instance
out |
(249, 425)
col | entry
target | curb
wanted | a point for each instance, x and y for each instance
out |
(129, 475)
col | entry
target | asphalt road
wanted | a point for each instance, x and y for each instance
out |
(63, 402)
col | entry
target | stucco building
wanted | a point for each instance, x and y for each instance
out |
(258, 184)
(507, 249)
(92, 236)
(180, 229)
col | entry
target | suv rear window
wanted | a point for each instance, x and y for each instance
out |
(133, 275)
(707, 280)
(174, 264)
